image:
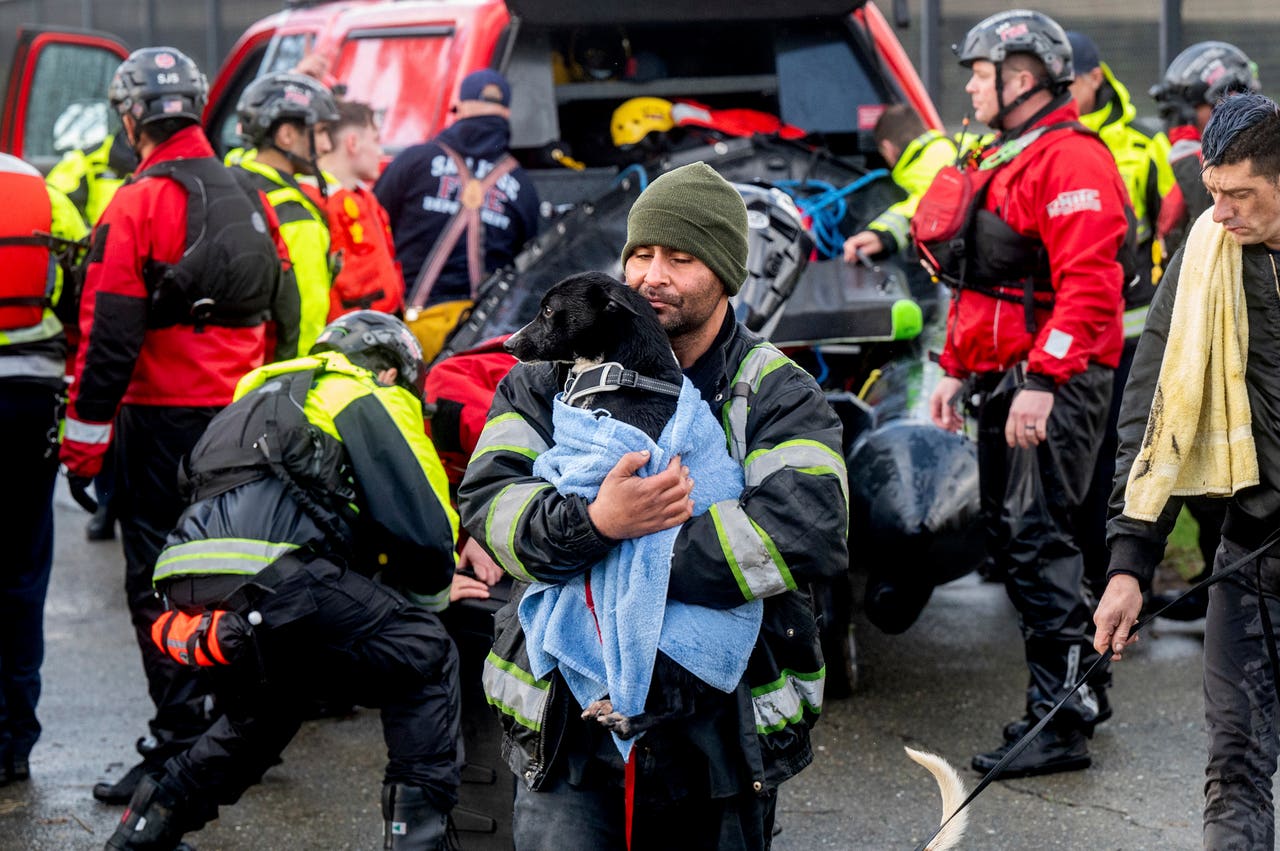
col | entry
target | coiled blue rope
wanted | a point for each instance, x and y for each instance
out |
(826, 208)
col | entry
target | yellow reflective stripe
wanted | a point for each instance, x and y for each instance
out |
(759, 362)
(48, 328)
(751, 554)
(895, 224)
(803, 456)
(31, 366)
(1135, 320)
(504, 518)
(82, 432)
(431, 602)
(509, 432)
(784, 700)
(219, 555)
(514, 692)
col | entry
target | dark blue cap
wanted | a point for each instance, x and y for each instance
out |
(486, 85)
(1084, 53)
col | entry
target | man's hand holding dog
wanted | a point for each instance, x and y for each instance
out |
(631, 506)
(1116, 615)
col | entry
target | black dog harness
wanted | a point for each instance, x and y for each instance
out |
(611, 375)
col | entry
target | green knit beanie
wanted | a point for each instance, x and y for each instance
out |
(695, 210)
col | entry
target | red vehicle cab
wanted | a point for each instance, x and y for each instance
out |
(827, 66)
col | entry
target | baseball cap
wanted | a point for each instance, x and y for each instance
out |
(1084, 53)
(486, 85)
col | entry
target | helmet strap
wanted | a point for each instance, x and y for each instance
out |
(997, 122)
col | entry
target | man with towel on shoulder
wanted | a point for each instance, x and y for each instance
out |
(1201, 416)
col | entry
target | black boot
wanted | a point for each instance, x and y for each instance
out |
(102, 525)
(1015, 730)
(154, 820)
(1052, 751)
(122, 790)
(1190, 608)
(413, 822)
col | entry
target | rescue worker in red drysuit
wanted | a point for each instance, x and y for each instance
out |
(156, 358)
(1033, 336)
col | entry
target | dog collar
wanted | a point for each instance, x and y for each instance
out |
(611, 376)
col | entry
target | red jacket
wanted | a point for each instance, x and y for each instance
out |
(1068, 195)
(370, 278)
(121, 360)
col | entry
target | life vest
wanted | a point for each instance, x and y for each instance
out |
(30, 272)
(967, 246)
(370, 278)
(229, 270)
(265, 433)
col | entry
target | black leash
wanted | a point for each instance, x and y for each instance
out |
(1204, 584)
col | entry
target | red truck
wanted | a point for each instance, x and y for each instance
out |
(829, 67)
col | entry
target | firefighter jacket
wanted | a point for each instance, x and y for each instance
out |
(1064, 198)
(1137, 546)
(786, 530)
(315, 454)
(91, 176)
(305, 230)
(421, 191)
(369, 277)
(1144, 168)
(123, 358)
(34, 351)
(914, 171)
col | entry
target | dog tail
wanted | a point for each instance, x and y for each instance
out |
(953, 793)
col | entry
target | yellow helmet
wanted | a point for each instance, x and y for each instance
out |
(638, 117)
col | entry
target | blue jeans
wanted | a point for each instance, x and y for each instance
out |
(563, 817)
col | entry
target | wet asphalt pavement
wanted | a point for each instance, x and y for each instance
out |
(948, 684)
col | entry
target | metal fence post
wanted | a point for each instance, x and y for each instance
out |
(1170, 31)
(931, 47)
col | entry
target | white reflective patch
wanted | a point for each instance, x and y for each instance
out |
(1076, 201)
(1058, 344)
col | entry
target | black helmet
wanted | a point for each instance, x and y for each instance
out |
(1020, 31)
(155, 83)
(283, 97)
(364, 332)
(1203, 74)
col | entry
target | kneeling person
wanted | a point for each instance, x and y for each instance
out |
(316, 481)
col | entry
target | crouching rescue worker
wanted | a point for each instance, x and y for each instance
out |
(1034, 335)
(312, 497)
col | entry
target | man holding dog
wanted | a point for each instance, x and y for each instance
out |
(1033, 338)
(716, 771)
(1226, 269)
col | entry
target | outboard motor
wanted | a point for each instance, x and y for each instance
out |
(778, 249)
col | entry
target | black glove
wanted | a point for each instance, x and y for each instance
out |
(79, 487)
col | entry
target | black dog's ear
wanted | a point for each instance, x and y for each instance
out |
(618, 301)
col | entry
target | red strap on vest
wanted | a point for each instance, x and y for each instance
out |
(467, 218)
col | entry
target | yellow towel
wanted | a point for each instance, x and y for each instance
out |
(1199, 437)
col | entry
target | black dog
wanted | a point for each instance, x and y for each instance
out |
(597, 324)
(590, 320)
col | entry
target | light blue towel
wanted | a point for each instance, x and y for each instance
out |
(629, 587)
